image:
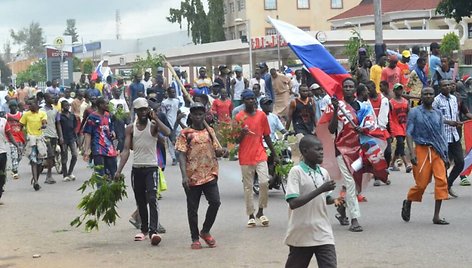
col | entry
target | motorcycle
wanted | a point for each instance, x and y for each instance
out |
(278, 172)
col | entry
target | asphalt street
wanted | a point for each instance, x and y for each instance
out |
(37, 223)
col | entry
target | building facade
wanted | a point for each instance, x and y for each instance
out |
(309, 15)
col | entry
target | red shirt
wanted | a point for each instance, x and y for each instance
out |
(251, 149)
(16, 130)
(398, 117)
(222, 109)
(392, 76)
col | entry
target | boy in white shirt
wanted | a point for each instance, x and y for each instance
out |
(308, 192)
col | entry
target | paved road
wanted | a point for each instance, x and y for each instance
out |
(38, 223)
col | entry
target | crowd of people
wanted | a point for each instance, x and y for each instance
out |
(404, 98)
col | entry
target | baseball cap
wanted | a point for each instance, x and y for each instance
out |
(265, 100)
(465, 78)
(238, 68)
(215, 84)
(160, 69)
(393, 57)
(406, 54)
(397, 86)
(247, 94)
(197, 106)
(314, 86)
(262, 65)
(139, 103)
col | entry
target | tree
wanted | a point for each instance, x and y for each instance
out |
(7, 51)
(204, 28)
(455, 9)
(5, 72)
(76, 64)
(30, 38)
(216, 20)
(449, 43)
(87, 66)
(71, 30)
(35, 72)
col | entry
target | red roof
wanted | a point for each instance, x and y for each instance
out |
(366, 7)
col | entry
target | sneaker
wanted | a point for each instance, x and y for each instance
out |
(16, 176)
(394, 168)
(376, 183)
(464, 182)
(155, 239)
(66, 179)
(36, 187)
(72, 177)
(452, 193)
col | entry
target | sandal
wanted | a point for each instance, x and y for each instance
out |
(251, 223)
(356, 229)
(196, 245)
(140, 237)
(343, 221)
(209, 240)
(441, 222)
(406, 209)
(361, 198)
(264, 220)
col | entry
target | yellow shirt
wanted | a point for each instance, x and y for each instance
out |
(99, 86)
(33, 122)
(375, 75)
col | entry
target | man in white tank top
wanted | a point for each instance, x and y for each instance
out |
(5, 132)
(144, 175)
(238, 85)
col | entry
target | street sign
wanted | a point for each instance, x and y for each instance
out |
(59, 42)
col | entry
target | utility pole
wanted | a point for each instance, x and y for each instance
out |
(379, 50)
(118, 24)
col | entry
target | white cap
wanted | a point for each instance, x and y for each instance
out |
(140, 103)
(314, 86)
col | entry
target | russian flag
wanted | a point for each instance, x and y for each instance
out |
(321, 64)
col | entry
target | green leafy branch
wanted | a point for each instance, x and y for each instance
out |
(100, 204)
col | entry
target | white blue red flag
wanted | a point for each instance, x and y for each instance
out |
(321, 64)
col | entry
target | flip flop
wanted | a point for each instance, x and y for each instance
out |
(209, 240)
(441, 222)
(356, 229)
(155, 239)
(140, 237)
(406, 209)
(264, 220)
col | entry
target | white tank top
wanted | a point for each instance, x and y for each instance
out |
(144, 147)
(238, 88)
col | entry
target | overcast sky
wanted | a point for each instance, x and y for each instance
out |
(95, 20)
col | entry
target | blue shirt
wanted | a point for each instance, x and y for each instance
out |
(426, 127)
(100, 129)
(93, 92)
(134, 89)
(434, 63)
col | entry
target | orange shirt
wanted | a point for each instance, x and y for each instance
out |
(222, 109)
(405, 73)
(392, 76)
(251, 149)
(398, 117)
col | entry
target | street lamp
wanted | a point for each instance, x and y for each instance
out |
(248, 35)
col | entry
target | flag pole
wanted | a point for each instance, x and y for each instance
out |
(187, 95)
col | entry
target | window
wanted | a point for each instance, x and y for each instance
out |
(304, 28)
(468, 59)
(303, 4)
(231, 7)
(270, 4)
(336, 4)
(241, 4)
(470, 30)
(270, 31)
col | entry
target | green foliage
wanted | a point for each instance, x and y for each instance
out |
(87, 66)
(204, 27)
(119, 113)
(71, 30)
(449, 43)
(35, 72)
(456, 9)
(151, 61)
(281, 169)
(352, 47)
(30, 38)
(76, 64)
(100, 204)
(6, 72)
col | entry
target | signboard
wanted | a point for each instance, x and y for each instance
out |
(59, 68)
(55, 53)
(88, 47)
(269, 41)
(59, 42)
